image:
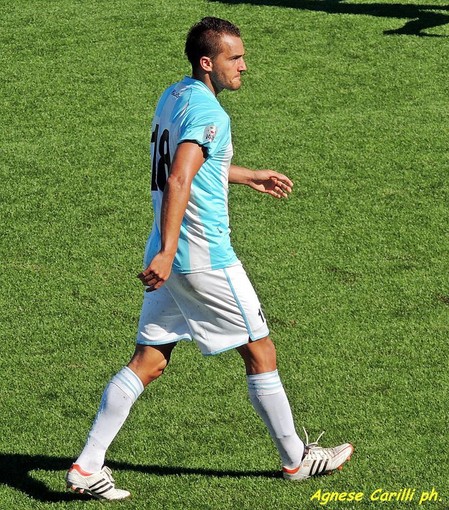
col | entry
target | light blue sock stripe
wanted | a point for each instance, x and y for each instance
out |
(132, 376)
(130, 381)
(268, 381)
(126, 385)
(266, 386)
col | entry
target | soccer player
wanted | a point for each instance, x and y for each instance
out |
(196, 288)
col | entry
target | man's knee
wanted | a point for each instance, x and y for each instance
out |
(149, 362)
(259, 356)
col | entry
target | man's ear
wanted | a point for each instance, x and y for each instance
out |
(206, 64)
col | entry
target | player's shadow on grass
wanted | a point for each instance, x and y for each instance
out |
(16, 471)
(420, 17)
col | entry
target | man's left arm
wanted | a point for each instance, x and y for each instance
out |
(265, 181)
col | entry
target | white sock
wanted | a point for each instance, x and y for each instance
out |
(270, 401)
(118, 397)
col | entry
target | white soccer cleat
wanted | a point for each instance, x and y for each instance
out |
(319, 461)
(98, 485)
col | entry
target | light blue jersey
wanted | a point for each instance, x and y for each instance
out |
(189, 111)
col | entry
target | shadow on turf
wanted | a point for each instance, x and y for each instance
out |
(16, 472)
(421, 17)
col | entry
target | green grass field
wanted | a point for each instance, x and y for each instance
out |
(350, 99)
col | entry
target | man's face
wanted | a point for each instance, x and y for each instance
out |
(228, 64)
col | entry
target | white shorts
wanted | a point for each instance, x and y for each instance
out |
(218, 309)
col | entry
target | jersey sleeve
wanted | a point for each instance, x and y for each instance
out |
(209, 128)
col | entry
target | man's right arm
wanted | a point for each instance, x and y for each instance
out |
(187, 160)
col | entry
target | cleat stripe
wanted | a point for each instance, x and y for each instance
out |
(98, 484)
(102, 488)
(322, 467)
(105, 490)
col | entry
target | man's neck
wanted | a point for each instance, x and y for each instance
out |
(205, 78)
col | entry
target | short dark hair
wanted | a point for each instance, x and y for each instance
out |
(203, 39)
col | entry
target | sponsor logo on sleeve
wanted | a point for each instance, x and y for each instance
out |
(210, 132)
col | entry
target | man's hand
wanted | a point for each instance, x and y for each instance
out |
(268, 181)
(157, 272)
